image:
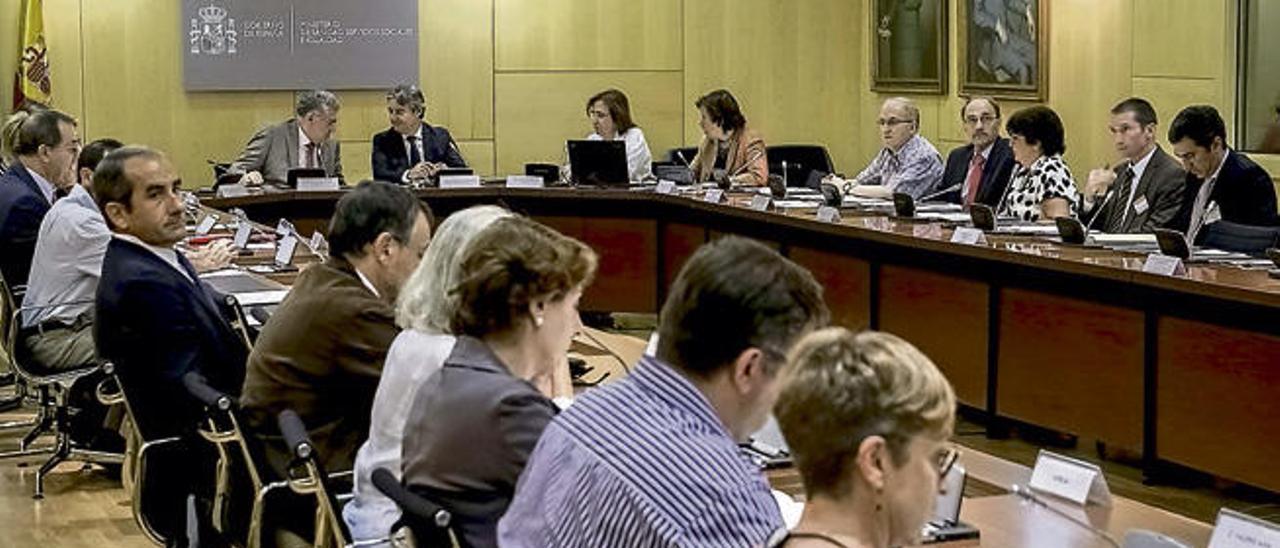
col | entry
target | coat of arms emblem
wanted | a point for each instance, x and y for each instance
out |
(213, 33)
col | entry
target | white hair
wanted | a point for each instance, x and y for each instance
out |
(425, 302)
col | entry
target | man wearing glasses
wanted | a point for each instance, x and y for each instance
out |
(908, 163)
(979, 171)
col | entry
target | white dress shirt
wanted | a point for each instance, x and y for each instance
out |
(639, 159)
(67, 263)
(303, 141)
(46, 188)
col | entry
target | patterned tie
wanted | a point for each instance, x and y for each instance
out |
(974, 179)
(1132, 185)
(310, 161)
(415, 157)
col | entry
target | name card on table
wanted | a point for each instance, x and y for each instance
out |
(714, 196)
(1074, 480)
(206, 224)
(317, 184)
(760, 202)
(1165, 265)
(967, 235)
(285, 250)
(828, 214)
(665, 187)
(318, 243)
(1236, 530)
(523, 181)
(241, 240)
(232, 191)
(459, 181)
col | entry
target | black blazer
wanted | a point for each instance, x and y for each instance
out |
(995, 173)
(155, 325)
(1163, 184)
(1245, 194)
(22, 207)
(391, 160)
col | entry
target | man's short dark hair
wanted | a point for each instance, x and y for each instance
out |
(1039, 125)
(990, 101)
(40, 128)
(1200, 123)
(371, 208)
(1141, 109)
(735, 294)
(94, 152)
(722, 109)
(111, 183)
(408, 95)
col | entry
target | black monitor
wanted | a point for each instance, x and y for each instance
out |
(303, 173)
(598, 163)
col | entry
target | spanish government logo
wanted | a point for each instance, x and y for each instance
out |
(213, 33)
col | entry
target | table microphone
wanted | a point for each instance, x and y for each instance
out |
(947, 190)
(1098, 213)
(1026, 493)
(680, 155)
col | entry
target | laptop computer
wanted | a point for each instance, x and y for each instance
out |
(598, 163)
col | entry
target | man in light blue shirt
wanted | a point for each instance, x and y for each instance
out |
(653, 459)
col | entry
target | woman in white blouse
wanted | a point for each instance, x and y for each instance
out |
(1042, 186)
(610, 115)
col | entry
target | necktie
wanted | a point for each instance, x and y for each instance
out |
(415, 157)
(1129, 177)
(310, 161)
(1198, 211)
(974, 179)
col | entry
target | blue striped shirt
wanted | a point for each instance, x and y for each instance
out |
(644, 461)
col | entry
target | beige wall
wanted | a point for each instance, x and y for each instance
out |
(509, 77)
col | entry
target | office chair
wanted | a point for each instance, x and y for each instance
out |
(801, 161)
(427, 521)
(307, 477)
(1250, 239)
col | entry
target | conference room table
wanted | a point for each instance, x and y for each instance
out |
(1076, 339)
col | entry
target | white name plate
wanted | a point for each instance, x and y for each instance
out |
(1165, 265)
(459, 181)
(317, 184)
(243, 232)
(828, 214)
(1074, 480)
(760, 202)
(967, 235)
(232, 191)
(283, 228)
(317, 241)
(714, 196)
(1236, 530)
(206, 224)
(665, 187)
(522, 181)
(285, 250)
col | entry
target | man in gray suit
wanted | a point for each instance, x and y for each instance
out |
(1145, 191)
(305, 141)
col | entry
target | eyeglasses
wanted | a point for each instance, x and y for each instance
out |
(984, 120)
(892, 122)
(946, 460)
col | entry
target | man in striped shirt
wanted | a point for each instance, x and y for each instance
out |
(653, 459)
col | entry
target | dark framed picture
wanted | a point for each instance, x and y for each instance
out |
(909, 46)
(1004, 48)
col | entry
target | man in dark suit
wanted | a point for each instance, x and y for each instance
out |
(1145, 191)
(155, 320)
(980, 178)
(1223, 185)
(46, 147)
(305, 141)
(411, 150)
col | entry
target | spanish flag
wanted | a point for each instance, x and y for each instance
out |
(32, 81)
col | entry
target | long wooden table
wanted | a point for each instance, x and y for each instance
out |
(1071, 338)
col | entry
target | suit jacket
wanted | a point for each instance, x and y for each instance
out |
(391, 159)
(1244, 192)
(273, 151)
(22, 207)
(156, 325)
(747, 159)
(470, 432)
(1163, 185)
(996, 173)
(320, 354)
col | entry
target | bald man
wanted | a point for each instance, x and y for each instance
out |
(908, 163)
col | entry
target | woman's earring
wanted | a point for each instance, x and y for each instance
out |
(537, 321)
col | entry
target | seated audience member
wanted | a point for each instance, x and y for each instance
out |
(154, 318)
(305, 141)
(980, 170)
(908, 163)
(1042, 186)
(1145, 191)
(412, 149)
(653, 459)
(610, 115)
(1223, 184)
(424, 310)
(867, 417)
(473, 425)
(321, 352)
(730, 153)
(45, 148)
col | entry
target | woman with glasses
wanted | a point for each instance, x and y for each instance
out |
(867, 417)
(1042, 186)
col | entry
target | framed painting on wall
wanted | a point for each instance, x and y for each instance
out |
(1004, 48)
(909, 46)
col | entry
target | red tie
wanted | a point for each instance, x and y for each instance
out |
(310, 161)
(974, 179)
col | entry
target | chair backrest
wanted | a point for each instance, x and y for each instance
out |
(7, 308)
(312, 479)
(801, 160)
(1139, 538)
(1230, 236)
(428, 521)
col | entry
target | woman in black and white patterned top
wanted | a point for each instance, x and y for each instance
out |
(1042, 186)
